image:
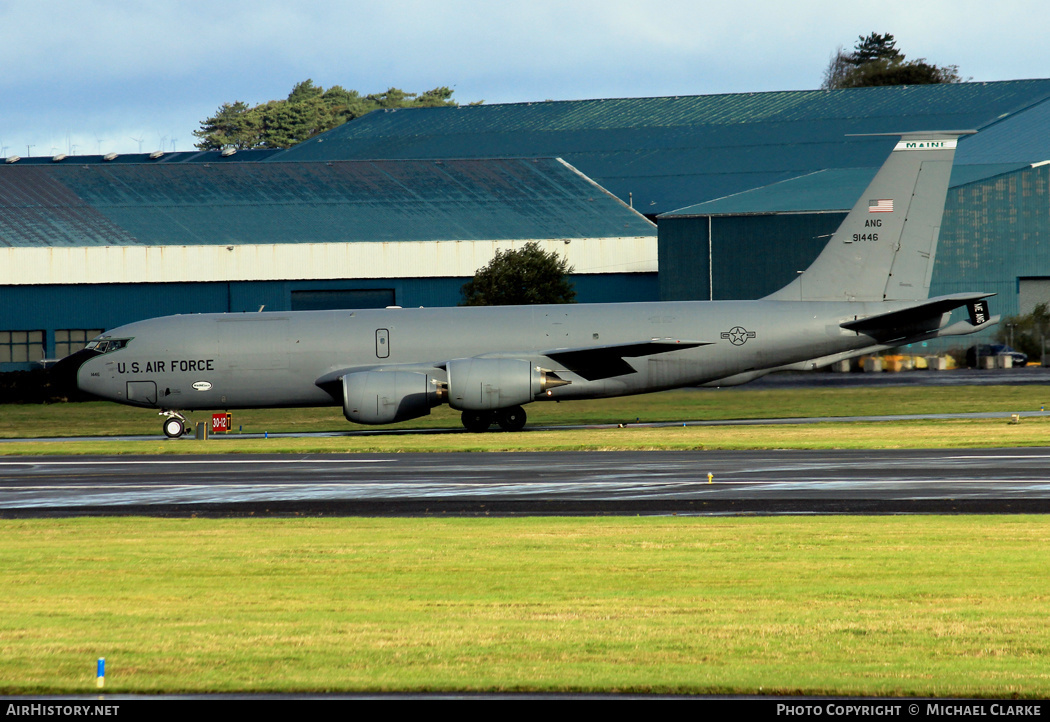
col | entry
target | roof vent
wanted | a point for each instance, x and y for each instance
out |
(109, 156)
(58, 158)
(12, 159)
(156, 154)
(227, 152)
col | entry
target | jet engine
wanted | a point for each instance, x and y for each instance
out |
(478, 384)
(386, 397)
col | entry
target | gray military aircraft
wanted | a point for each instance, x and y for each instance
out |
(867, 291)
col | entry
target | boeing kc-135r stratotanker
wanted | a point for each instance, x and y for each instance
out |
(867, 291)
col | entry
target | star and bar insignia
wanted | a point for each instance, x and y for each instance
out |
(738, 335)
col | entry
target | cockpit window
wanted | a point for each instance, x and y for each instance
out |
(108, 345)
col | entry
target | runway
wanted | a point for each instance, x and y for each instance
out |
(652, 482)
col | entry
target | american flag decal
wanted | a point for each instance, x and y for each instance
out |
(884, 205)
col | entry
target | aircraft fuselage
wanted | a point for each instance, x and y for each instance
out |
(251, 360)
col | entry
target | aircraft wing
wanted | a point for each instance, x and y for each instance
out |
(603, 362)
(590, 362)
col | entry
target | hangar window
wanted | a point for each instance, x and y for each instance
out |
(71, 340)
(21, 346)
(342, 299)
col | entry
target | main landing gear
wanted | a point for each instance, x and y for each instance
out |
(512, 419)
(174, 424)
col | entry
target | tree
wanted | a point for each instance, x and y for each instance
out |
(305, 91)
(520, 277)
(234, 125)
(875, 60)
(307, 111)
(1026, 332)
(875, 47)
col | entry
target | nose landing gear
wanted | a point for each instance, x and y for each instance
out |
(175, 424)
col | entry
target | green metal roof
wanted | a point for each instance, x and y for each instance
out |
(825, 190)
(68, 204)
(667, 153)
(181, 156)
(836, 189)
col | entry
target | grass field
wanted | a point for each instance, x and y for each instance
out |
(939, 606)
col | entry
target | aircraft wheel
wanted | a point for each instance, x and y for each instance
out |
(173, 427)
(476, 421)
(512, 419)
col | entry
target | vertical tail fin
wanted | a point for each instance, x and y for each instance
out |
(884, 249)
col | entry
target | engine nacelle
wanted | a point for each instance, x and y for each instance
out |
(479, 384)
(385, 397)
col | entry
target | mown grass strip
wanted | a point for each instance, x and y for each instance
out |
(938, 606)
(983, 433)
(110, 419)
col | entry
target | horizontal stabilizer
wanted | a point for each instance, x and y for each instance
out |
(962, 328)
(916, 314)
(603, 362)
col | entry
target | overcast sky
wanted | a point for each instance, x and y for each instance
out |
(89, 77)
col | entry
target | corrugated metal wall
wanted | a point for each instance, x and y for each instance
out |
(995, 232)
(316, 261)
(752, 256)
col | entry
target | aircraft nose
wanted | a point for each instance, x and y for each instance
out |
(64, 374)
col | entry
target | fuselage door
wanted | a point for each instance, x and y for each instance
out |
(143, 393)
(382, 343)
